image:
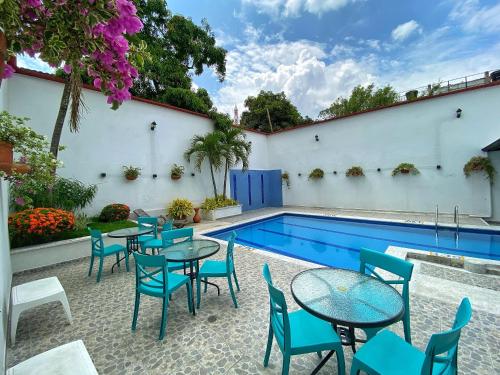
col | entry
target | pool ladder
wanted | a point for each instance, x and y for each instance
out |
(456, 220)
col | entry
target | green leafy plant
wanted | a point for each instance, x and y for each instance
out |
(130, 172)
(219, 202)
(67, 194)
(180, 208)
(316, 174)
(355, 171)
(176, 172)
(285, 178)
(480, 164)
(405, 168)
(114, 212)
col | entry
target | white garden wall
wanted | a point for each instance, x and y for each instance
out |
(495, 188)
(426, 133)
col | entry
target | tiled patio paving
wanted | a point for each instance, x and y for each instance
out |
(232, 344)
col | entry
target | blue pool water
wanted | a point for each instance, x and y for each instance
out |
(336, 241)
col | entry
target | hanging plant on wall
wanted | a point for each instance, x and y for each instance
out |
(176, 172)
(131, 173)
(285, 178)
(355, 171)
(316, 174)
(405, 168)
(480, 164)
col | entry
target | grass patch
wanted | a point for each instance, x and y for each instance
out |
(77, 233)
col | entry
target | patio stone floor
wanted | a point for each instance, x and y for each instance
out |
(220, 339)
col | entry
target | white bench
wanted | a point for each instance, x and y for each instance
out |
(35, 293)
(71, 358)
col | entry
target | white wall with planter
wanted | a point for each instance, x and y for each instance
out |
(425, 133)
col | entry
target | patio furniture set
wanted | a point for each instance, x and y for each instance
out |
(334, 303)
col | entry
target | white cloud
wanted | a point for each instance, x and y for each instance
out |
(475, 18)
(25, 61)
(403, 31)
(292, 8)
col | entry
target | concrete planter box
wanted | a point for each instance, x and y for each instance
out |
(219, 213)
(36, 256)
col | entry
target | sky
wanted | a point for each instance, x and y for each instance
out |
(318, 50)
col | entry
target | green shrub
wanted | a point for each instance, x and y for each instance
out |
(114, 212)
(316, 174)
(479, 164)
(218, 202)
(180, 208)
(66, 194)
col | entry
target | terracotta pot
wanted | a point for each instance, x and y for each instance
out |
(405, 171)
(21, 168)
(6, 155)
(175, 177)
(197, 216)
(130, 177)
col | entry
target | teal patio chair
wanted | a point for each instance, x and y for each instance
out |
(369, 260)
(146, 222)
(168, 237)
(219, 268)
(156, 244)
(298, 332)
(387, 353)
(100, 251)
(153, 279)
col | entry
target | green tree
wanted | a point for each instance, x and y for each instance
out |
(361, 99)
(178, 48)
(235, 150)
(208, 147)
(282, 112)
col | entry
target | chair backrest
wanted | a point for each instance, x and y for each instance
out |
(168, 236)
(230, 253)
(96, 240)
(447, 343)
(151, 267)
(146, 222)
(278, 312)
(168, 224)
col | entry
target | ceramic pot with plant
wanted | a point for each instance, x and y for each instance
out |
(316, 174)
(480, 164)
(355, 171)
(405, 168)
(131, 173)
(176, 172)
(285, 178)
(179, 209)
(197, 216)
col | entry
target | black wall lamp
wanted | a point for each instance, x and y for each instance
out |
(459, 113)
(155, 175)
(152, 126)
(316, 137)
(102, 175)
(438, 166)
(300, 174)
(378, 169)
(192, 174)
(334, 172)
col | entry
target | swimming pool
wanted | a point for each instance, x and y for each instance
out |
(336, 242)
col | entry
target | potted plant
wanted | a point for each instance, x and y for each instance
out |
(285, 178)
(219, 207)
(131, 173)
(480, 164)
(176, 172)
(411, 95)
(316, 174)
(354, 171)
(405, 168)
(179, 209)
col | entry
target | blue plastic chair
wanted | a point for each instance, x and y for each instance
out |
(146, 222)
(153, 279)
(219, 268)
(369, 260)
(387, 353)
(99, 250)
(156, 244)
(298, 332)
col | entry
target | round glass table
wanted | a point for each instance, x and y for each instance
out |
(347, 299)
(191, 251)
(132, 235)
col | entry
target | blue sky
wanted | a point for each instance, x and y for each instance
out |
(318, 50)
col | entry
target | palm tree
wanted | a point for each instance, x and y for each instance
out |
(209, 147)
(235, 150)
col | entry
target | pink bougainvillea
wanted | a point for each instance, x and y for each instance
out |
(81, 36)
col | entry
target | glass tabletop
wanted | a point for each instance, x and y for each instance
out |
(347, 297)
(190, 250)
(130, 232)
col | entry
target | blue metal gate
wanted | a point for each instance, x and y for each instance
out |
(257, 188)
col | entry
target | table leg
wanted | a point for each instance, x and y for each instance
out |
(323, 362)
(192, 276)
(132, 243)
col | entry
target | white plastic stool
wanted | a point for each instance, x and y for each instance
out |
(71, 358)
(32, 294)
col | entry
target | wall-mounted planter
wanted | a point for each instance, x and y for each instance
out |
(405, 168)
(220, 213)
(175, 177)
(478, 164)
(355, 172)
(316, 174)
(131, 173)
